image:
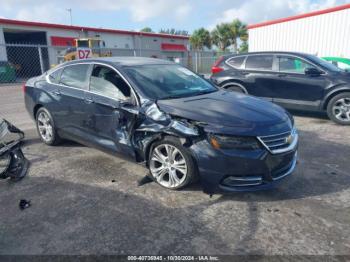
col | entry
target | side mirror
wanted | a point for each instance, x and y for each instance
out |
(311, 71)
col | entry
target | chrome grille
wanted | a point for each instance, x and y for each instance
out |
(280, 143)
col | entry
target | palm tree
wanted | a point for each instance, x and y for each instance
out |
(222, 36)
(238, 31)
(146, 30)
(243, 48)
(200, 39)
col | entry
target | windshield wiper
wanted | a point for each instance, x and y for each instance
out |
(189, 94)
(172, 97)
(204, 92)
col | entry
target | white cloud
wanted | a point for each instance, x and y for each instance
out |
(142, 10)
(43, 13)
(205, 12)
(255, 11)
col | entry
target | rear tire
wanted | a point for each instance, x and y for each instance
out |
(338, 108)
(46, 127)
(171, 165)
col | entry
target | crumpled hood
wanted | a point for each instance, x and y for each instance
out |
(230, 113)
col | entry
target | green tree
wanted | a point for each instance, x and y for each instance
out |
(238, 31)
(173, 31)
(243, 48)
(147, 30)
(200, 39)
(222, 36)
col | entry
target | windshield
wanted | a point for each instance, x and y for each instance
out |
(168, 81)
(324, 64)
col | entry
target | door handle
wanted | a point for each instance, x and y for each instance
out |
(282, 75)
(88, 100)
(245, 73)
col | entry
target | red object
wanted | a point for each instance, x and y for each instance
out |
(291, 18)
(173, 47)
(216, 68)
(62, 41)
(84, 28)
(24, 87)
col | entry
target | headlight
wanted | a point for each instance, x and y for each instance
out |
(234, 142)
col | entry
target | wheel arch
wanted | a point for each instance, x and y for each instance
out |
(148, 148)
(36, 108)
(234, 82)
(333, 94)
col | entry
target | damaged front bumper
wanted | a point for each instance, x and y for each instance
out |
(240, 170)
(13, 163)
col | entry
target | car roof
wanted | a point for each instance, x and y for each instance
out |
(269, 53)
(123, 61)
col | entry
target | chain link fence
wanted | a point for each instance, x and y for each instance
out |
(19, 62)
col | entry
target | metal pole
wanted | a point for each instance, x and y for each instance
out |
(41, 60)
(196, 60)
(70, 15)
(140, 42)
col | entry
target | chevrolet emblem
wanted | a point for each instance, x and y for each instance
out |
(289, 139)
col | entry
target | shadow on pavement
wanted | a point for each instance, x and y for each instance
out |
(71, 218)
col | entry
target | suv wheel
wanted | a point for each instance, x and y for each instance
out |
(46, 128)
(171, 165)
(338, 109)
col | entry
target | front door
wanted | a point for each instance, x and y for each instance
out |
(109, 126)
(293, 88)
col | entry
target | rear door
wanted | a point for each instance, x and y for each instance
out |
(293, 88)
(259, 75)
(73, 85)
(109, 125)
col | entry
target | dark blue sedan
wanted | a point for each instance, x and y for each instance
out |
(163, 115)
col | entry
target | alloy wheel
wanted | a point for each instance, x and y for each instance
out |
(168, 166)
(45, 127)
(341, 109)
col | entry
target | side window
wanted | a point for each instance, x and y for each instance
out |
(75, 76)
(293, 65)
(259, 62)
(54, 77)
(107, 82)
(236, 62)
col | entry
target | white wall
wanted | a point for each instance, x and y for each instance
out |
(322, 35)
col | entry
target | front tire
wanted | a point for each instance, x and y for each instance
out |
(338, 108)
(171, 165)
(46, 127)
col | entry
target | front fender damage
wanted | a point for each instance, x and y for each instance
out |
(13, 163)
(153, 124)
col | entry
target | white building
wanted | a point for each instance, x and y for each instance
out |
(322, 33)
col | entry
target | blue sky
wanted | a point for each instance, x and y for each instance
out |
(179, 14)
